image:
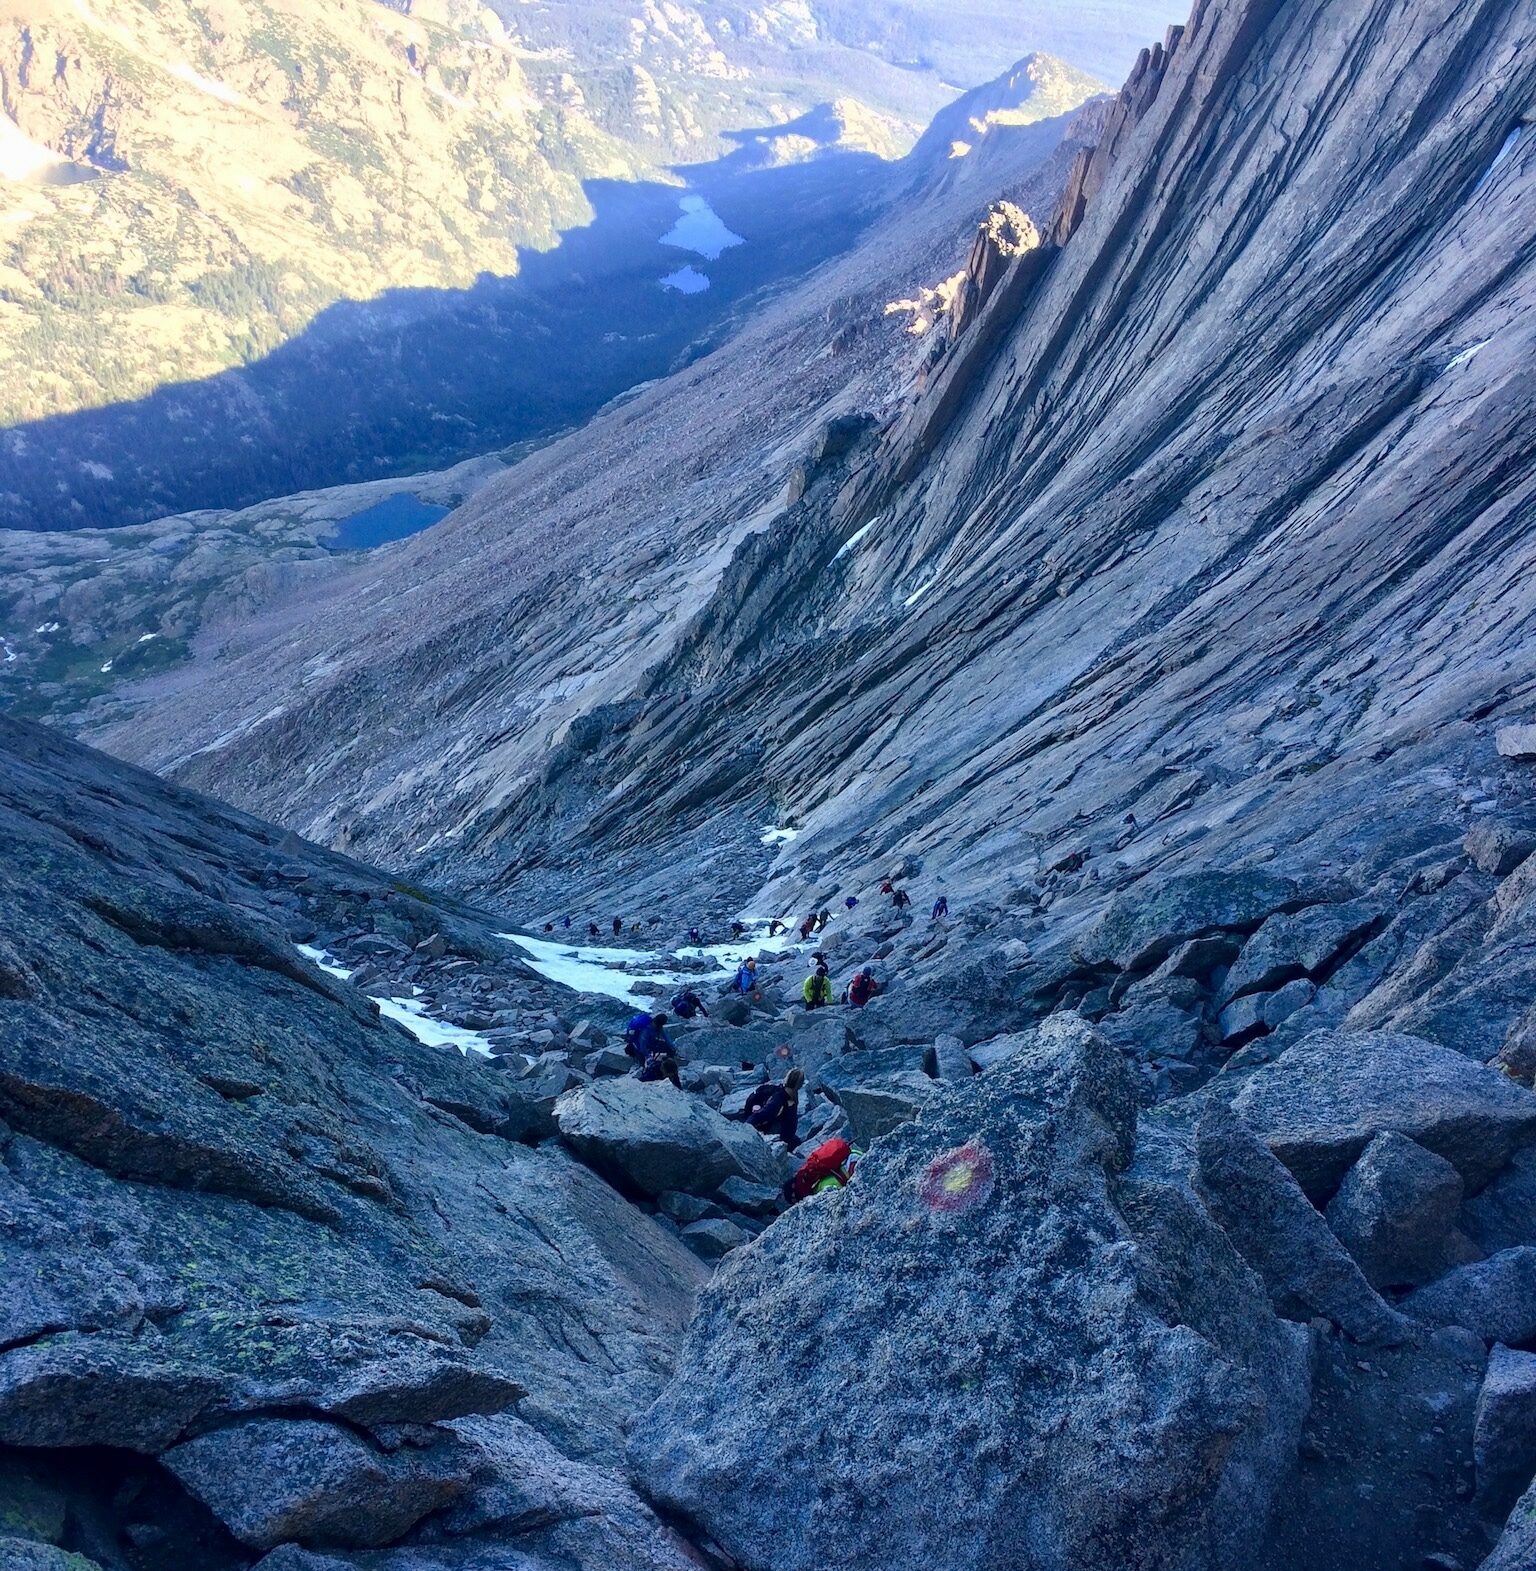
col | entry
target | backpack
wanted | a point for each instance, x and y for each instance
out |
(824, 1162)
(637, 1033)
(685, 1005)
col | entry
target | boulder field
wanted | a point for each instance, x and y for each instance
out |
(1116, 1282)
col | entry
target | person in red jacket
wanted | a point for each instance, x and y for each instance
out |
(862, 988)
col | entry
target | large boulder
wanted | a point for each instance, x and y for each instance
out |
(272, 1480)
(876, 1107)
(1503, 1216)
(653, 1137)
(1071, 1357)
(1280, 1234)
(1496, 1297)
(1297, 944)
(1329, 1095)
(1142, 927)
(1395, 1210)
(736, 1046)
(1504, 1442)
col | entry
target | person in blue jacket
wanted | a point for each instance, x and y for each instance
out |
(746, 977)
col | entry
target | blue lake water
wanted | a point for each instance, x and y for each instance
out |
(686, 281)
(701, 230)
(392, 519)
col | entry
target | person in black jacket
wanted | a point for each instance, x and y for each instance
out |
(774, 1110)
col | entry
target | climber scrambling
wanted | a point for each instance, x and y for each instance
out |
(940, 907)
(818, 987)
(644, 1034)
(774, 1110)
(687, 1005)
(862, 988)
(827, 1167)
(746, 977)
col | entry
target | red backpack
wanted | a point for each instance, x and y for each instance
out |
(823, 1162)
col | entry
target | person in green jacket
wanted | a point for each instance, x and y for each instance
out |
(818, 987)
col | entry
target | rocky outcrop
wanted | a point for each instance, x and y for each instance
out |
(655, 1138)
(257, 1271)
(1017, 1193)
(1093, 165)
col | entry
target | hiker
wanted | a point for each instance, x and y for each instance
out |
(818, 987)
(823, 916)
(662, 1063)
(746, 976)
(618, 926)
(591, 929)
(775, 1110)
(851, 901)
(549, 927)
(687, 1004)
(775, 927)
(737, 929)
(646, 1034)
(887, 887)
(825, 1168)
(901, 900)
(567, 924)
(807, 927)
(695, 937)
(862, 988)
(941, 907)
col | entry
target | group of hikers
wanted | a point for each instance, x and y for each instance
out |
(772, 1108)
(815, 922)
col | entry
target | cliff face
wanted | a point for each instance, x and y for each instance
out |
(477, 644)
(1228, 524)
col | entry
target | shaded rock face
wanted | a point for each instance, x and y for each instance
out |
(1516, 1548)
(1001, 1251)
(255, 1272)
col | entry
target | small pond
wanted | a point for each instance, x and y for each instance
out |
(394, 518)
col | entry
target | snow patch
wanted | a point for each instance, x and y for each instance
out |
(6, 650)
(205, 84)
(148, 638)
(107, 667)
(590, 970)
(918, 594)
(434, 1032)
(49, 627)
(1466, 355)
(773, 836)
(325, 963)
(854, 539)
(1511, 142)
(596, 968)
(409, 1013)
